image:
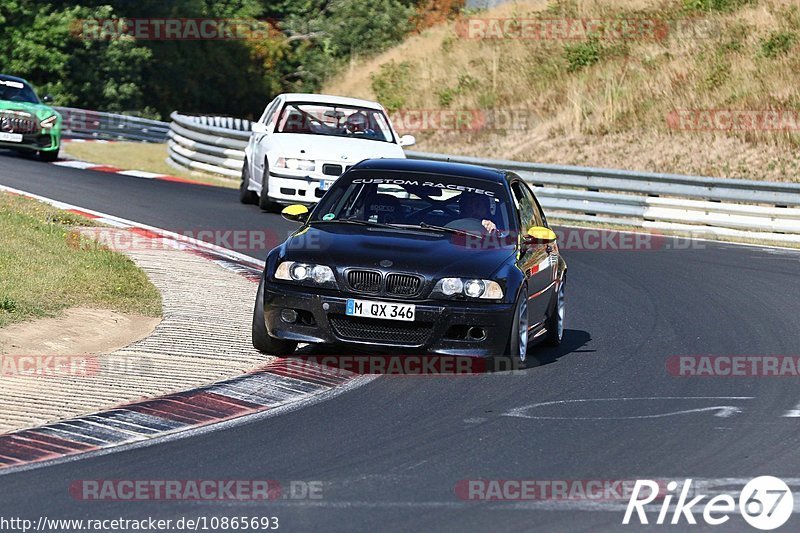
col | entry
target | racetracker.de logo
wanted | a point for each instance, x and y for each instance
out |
(173, 29)
(174, 490)
(44, 366)
(48, 366)
(727, 366)
(583, 240)
(464, 120)
(582, 29)
(401, 365)
(545, 489)
(240, 240)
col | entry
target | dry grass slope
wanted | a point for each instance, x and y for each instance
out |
(605, 102)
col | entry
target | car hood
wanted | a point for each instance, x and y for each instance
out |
(424, 252)
(325, 148)
(40, 111)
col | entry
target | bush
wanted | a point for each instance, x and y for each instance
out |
(391, 83)
(716, 5)
(446, 96)
(582, 54)
(778, 43)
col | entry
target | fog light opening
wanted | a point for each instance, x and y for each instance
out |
(476, 334)
(289, 316)
(307, 318)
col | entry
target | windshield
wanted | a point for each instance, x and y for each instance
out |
(413, 199)
(335, 120)
(16, 91)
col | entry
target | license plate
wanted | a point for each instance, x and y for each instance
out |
(385, 310)
(10, 137)
(324, 185)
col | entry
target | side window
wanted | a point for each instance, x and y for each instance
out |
(525, 204)
(266, 118)
(538, 215)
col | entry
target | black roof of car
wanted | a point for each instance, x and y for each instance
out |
(13, 78)
(434, 167)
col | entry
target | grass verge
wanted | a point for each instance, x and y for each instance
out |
(42, 272)
(150, 157)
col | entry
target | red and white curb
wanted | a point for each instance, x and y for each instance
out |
(283, 384)
(85, 165)
(229, 259)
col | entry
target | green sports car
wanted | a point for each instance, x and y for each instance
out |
(27, 124)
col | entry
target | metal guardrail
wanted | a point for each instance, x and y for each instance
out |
(210, 144)
(698, 205)
(713, 207)
(85, 124)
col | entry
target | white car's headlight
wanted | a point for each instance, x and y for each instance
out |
(471, 288)
(49, 122)
(295, 164)
(307, 273)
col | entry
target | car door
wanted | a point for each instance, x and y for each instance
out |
(534, 259)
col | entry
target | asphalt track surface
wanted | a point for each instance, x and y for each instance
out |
(390, 453)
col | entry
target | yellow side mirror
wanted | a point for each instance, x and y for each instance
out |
(295, 213)
(540, 235)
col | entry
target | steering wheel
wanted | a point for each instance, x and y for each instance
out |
(443, 207)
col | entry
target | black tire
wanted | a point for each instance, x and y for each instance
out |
(555, 322)
(263, 198)
(513, 347)
(246, 196)
(261, 339)
(49, 157)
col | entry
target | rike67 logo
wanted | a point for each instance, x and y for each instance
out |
(765, 503)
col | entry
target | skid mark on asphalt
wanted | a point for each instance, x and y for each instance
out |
(722, 411)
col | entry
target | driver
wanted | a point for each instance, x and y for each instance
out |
(357, 123)
(473, 205)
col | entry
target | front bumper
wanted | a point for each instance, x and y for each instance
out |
(440, 327)
(35, 141)
(288, 187)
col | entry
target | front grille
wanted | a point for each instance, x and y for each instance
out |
(364, 280)
(376, 330)
(402, 284)
(14, 123)
(332, 170)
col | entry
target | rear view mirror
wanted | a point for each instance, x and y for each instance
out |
(47, 99)
(408, 140)
(538, 235)
(258, 127)
(295, 213)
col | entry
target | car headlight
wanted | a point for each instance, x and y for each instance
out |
(295, 164)
(307, 273)
(471, 288)
(49, 122)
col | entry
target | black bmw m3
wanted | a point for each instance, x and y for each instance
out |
(417, 256)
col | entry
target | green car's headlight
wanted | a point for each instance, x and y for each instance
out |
(49, 122)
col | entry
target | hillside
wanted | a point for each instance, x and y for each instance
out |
(709, 87)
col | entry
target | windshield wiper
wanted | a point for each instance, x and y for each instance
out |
(359, 222)
(434, 227)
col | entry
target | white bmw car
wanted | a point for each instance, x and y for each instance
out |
(303, 142)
